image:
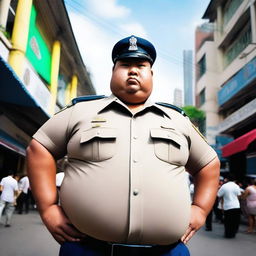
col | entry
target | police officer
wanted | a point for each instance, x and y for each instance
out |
(125, 189)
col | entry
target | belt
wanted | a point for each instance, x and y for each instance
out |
(119, 249)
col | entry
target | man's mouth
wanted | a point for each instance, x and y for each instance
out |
(132, 81)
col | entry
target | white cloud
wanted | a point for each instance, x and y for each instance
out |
(95, 46)
(108, 8)
(96, 43)
(133, 29)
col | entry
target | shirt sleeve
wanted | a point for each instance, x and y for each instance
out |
(53, 135)
(16, 188)
(200, 152)
(220, 192)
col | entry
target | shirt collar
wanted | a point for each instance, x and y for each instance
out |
(148, 104)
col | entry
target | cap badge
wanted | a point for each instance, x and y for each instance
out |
(133, 44)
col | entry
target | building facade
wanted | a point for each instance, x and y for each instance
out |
(177, 97)
(234, 77)
(41, 70)
(206, 87)
(188, 77)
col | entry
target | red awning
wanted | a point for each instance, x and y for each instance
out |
(239, 144)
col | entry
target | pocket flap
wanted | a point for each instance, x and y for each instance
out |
(105, 133)
(157, 133)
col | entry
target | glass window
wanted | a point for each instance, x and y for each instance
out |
(62, 84)
(202, 66)
(11, 17)
(202, 97)
(238, 45)
(229, 9)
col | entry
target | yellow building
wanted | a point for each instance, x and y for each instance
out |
(41, 70)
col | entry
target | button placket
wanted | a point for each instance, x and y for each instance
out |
(135, 198)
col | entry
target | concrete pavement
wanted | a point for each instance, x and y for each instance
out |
(28, 237)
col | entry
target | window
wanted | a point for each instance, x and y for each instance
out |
(62, 84)
(202, 97)
(11, 17)
(229, 10)
(202, 66)
(238, 45)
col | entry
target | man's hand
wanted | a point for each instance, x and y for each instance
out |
(206, 183)
(197, 220)
(59, 225)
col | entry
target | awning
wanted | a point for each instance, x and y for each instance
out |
(13, 90)
(17, 103)
(240, 144)
(8, 142)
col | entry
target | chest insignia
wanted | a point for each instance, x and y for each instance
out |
(97, 121)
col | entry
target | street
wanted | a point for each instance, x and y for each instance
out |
(28, 237)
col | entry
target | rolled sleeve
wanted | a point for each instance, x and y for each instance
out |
(53, 135)
(200, 153)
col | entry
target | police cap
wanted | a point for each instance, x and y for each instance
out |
(134, 47)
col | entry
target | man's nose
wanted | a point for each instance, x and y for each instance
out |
(133, 70)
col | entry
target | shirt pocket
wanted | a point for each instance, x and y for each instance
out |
(98, 144)
(169, 146)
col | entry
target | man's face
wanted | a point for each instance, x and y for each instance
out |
(132, 80)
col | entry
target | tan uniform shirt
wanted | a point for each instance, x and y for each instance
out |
(125, 177)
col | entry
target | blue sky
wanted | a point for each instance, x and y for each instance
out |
(168, 24)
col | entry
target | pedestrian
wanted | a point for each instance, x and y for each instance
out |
(59, 179)
(125, 189)
(230, 193)
(9, 189)
(250, 196)
(218, 205)
(23, 199)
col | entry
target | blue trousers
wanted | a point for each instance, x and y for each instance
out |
(79, 249)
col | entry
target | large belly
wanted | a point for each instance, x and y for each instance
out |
(106, 212)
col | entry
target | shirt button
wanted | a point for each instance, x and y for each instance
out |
(135, 192)
(135, 160)
(135, 137)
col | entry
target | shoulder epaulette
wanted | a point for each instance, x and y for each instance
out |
(87, 98)
(172, 107)
(81, 99)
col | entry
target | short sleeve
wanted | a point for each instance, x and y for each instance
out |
(200, 152)
(16, 186)
(220, 192)
(53, 135)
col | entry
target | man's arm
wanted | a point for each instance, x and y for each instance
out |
(42, 175)
(206, 185)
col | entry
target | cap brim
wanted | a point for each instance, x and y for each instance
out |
(134, 55)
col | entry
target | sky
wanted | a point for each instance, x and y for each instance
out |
(168, 24)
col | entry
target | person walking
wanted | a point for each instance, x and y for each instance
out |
(9, 189)
(125, 188)
(229, 192)
(250, 196)
(23, 199)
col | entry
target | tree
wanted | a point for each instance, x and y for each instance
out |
(196, 116)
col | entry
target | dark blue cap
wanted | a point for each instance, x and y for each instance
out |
(134, 47)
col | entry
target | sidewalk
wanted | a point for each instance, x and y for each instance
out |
(212, 243)
(28, 237)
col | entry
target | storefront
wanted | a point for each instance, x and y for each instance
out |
(20, 117)
(242, 154)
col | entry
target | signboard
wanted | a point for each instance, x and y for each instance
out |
(37, 51)
(238, 82)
